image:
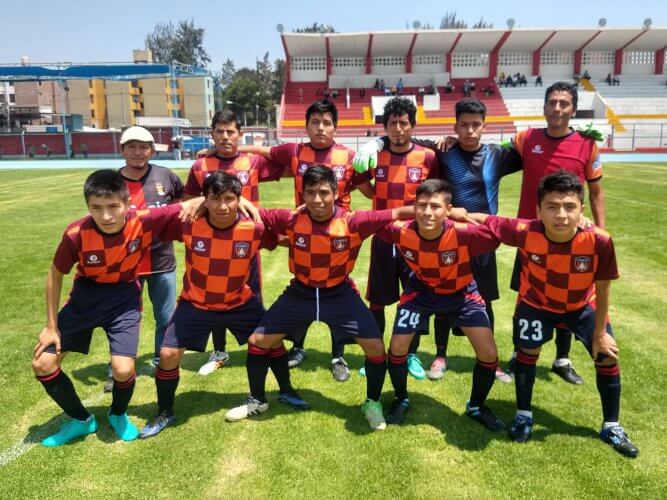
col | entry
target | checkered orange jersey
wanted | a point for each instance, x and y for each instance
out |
(322, 254)
(250, 170)
(557, 277)
(300, 157)
(105, 258)
(398, 175)
(443, 264)
(543, 155)
(217, 261)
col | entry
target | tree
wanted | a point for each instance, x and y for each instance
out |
(277, 80)
(183, 44)
(316, 28)
(227, 74)
(449, 21)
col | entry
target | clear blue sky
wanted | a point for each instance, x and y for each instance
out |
(85, 31)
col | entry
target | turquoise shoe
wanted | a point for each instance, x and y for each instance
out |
(71, 430)
(415, 367)
(123, 427)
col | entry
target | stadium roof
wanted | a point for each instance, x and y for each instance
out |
(428, 42)
(109, 71)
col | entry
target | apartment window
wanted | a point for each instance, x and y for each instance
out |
(92, 113)
(12, 98)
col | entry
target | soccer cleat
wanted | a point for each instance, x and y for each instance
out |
(123, 427)
(216, 360)
(415, 367)
(296, 357)
(521, 429)
(511, 365)
(503, 377)
(339, 369)
(108, 385)
(616, 437)
(252, 406)
(397, 411)
(155, 362)
(567, 373)
(438, 368)
(293, 400)
(71, 430)
(372, 410)
(486, 417)
(157, 425)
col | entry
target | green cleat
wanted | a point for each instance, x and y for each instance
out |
(372, 410)
(415, 367)
(71, 430)
(123, 427)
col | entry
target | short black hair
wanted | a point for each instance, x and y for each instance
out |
(399, 106)
(434, 186)
(564, 87)
(319, 173)
(323, 106)
(220, 182)
(106, 183)
(560, 182)
(225, 116)
(471, 106)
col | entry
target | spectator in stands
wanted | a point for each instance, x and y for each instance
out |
(488, 90)
(387, 91)
(84, 150)
(47, 150)
(382, 85)
(586, 75)
(523, 82)
(430, 90)
(376, 86)
(575, 77)
(319, 91)
(510, 82)
(334, 93)
(616, 80)
(466, 88)
(399, 86)
(362, 92)
(327, 93)
(394, 90)
(538, 81)
(300, 92)
(31, 151)
(501, 76)
(608, 79)
(449, 88)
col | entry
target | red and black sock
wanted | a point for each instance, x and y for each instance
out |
(608, 380)
(166, 382)
(60, 388)
(122, 393)
(257, 365)
(524, 379)
(563, 343)
(278, 364)
(483, 377)
(398, 372)
(376, 369)
(441, 328)
(378, 313)
(219, 339)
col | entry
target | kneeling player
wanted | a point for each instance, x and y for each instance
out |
(107, 247)
(324, 242)
(220, 249)
(560, 263)
(439, 253)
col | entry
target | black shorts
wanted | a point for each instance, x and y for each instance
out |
(387, 269)
(534, 327)
(189, 327)
(485, 272)
(463, 308)
(115, 307)
(255, 277)
(516, 273)
(339, 307)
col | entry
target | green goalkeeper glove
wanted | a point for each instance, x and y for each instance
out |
(367, 156)
(591, 133)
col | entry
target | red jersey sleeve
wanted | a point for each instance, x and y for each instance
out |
(192, 186)
(161, 218)
(386, 233)
(431, 162)
(173, 231)
(276, 219)
(481, 240)
(518, 141)
(607, 268)
(594, 166)
(284, 153)
(367, 222)
(268, 170)
(506, 229)
(269, 240)
(67, 253)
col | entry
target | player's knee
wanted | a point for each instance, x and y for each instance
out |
(122, 373)
(399, 347)
(374, 349)
(169, 358)
(606, 361)
(44, 365)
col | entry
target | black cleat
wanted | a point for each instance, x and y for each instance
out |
(616, 437)
(521, 429)
(397, 411)
(486, 417)
(567, 373)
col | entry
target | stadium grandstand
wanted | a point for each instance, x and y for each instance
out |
(622, 80)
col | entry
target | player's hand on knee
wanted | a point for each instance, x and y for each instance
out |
(605, 344)
(367, 156)
(48, 336)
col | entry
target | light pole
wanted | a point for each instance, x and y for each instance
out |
(257, 109)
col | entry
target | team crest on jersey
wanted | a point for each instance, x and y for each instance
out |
(448, 257)
(414, 174)
(409, 255)
(340, 244)
(302, 168)
(159, 188)
(241, 249)
(339, 172)
(243, 177)
(199, 246)
(94, 259)
(133, 245)
(535, 258)
(582, 264)
(300, 242)
(537, 149)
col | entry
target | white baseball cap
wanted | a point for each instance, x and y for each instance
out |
(136, 134)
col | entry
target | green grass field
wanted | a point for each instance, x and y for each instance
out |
(328, 452)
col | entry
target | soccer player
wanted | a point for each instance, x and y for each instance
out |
(220, 249)
(250, 169)
(107, 246)
(151, 186)
(440, 253)
(321, 124)
(551, 149)
(400, 169)
(324, 242)
(560, 263)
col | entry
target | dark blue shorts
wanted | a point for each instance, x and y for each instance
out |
(189, 327)
(464, 308)
(255, 277)
(115, 307)
(534, 327)
(340, 307)
(387, 273)
(516, 273)
(485, 272)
